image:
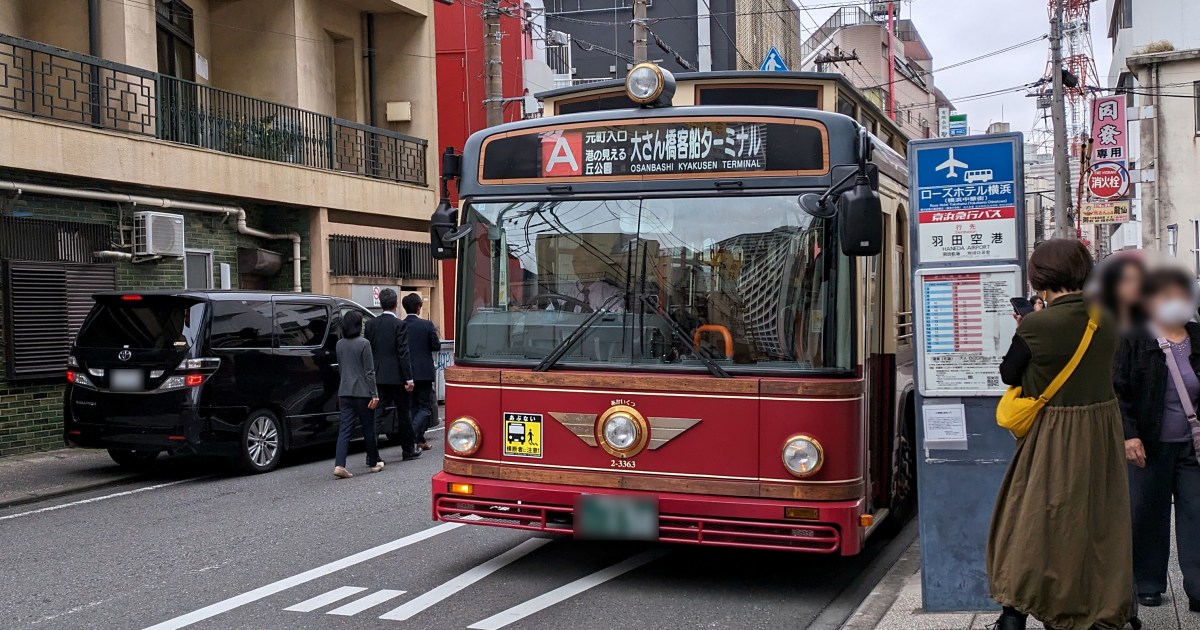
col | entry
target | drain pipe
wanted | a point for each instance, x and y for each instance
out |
(160, 202)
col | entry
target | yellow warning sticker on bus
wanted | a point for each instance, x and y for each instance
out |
(523, 434)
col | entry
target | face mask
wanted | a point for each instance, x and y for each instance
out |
(1174, 313)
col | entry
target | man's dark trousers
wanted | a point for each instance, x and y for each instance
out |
(422, 409)
(395, 397)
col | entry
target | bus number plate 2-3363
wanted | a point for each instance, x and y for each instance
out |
(523, 434)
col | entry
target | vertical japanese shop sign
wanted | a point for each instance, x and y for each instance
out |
(1109, 143)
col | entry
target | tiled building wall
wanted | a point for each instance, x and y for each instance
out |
(31, 411)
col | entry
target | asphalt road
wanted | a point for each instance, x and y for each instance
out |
(190, 548)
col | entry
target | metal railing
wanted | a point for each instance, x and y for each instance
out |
(49, 82)
(380, 258)
(216, 119)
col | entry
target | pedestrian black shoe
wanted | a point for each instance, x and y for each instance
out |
(1008, 622)
(1194, 605)
(1152, 600)
(415, 453)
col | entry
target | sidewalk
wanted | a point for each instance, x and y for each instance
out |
(38, 476)
(902, 586)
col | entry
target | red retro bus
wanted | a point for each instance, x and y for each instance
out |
(674, 321)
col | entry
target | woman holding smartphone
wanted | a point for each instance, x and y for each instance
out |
(357, 394)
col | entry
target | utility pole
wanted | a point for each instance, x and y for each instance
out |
(1062, 166)
(639, 32)
(494, 88)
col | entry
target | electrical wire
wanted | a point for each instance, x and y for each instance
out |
(967, 61)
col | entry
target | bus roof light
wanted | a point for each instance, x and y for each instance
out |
(650, 86)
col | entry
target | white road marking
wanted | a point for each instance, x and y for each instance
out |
(473, 575)
(326, 599)
(370, 601)
(101, 498)
(300, 578)
(567, 591)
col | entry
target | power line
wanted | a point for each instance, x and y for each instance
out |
(967, 61)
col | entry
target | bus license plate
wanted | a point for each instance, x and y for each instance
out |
(610, 517)
(126, 381)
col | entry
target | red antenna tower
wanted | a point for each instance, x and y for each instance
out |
(1080, 62)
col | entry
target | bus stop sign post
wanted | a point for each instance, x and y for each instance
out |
(969, 236)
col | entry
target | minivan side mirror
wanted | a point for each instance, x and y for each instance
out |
(860, 219)
(444, 231)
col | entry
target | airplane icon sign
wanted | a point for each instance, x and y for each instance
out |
(951, 164)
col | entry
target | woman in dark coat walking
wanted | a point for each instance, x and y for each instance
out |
(1158, 435)
(1060, 544)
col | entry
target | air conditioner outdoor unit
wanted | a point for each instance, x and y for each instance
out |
(157, 234)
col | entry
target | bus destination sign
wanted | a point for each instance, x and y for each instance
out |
(655, 149)
(674, 149)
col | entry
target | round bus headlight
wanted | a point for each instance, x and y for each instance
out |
(463, 437)
(648, 84)
(622, 431)
(802, 455)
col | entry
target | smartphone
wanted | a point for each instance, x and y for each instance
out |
(1022, 306)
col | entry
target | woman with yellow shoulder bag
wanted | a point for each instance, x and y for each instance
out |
(1060, 544)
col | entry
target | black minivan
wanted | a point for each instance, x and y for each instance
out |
(245, 375)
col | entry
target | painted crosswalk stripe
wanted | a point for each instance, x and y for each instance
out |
(370, 601)
(567, 591)
(326, 599)
(473, 575)
(263, 592)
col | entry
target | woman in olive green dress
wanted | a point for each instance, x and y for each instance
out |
(1060, 546)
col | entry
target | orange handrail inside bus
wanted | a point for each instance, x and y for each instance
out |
(717, 329)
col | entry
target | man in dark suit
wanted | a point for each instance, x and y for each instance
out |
(422, 343)
(393, 368)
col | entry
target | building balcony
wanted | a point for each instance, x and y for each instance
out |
(50, 83)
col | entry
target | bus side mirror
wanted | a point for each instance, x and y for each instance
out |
(860, 219)
(444, 231)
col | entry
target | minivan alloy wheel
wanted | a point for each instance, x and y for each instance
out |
(262, 441)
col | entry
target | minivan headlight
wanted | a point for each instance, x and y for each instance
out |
(463, 437)
(802, 455)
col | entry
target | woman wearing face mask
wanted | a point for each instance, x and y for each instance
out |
(1060, 545)
(1159, 441)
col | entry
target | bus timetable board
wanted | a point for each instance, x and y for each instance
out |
(677, 148)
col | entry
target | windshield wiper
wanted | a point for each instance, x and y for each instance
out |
(560, 350)
(713, 368)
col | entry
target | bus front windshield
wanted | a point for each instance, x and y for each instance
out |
(749, 282)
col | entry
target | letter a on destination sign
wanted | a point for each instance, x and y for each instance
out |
(560, 154)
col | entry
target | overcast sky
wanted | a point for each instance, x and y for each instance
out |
(957, 30)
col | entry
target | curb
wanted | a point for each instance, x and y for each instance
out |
(876, 605)
(62, 491)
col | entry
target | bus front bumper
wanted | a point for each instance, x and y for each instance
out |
(743, 522)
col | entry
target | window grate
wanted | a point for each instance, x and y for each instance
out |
(23, 238)
(380, 258)
(45, 304)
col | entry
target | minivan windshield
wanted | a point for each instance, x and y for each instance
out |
(752, 282)
(148, 323)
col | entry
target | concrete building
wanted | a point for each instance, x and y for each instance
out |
(590, 40)
(883, 65)
(289, 139)
(1156, 59)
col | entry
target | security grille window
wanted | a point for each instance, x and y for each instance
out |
(380, 258)
(45, 304)
(241, 324)
(176, 39)
(300, 324)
